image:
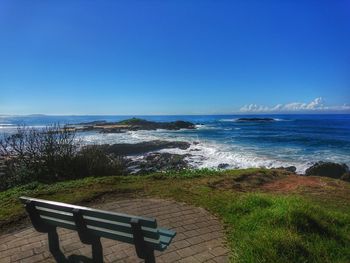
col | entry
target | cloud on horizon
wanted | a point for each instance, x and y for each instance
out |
(317, 105)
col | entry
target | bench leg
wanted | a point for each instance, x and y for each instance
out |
(54, 246)
(142, 249)
(149, 258)
(97, 252)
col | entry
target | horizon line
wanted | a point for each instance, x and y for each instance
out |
(186, 114)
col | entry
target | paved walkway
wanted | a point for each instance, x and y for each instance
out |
(199, 236)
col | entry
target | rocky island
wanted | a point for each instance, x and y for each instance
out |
(133, 124)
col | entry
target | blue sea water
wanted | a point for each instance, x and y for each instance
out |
(298, 140)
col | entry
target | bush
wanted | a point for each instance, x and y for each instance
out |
(51, 154)
(93, 160)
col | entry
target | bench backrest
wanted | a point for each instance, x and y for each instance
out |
(99, 223)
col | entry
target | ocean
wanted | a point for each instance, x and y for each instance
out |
(289, 140)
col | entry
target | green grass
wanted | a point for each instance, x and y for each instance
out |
(267, 228)
(308, 225)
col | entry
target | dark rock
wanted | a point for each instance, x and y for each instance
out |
(223, 165)
(256, 119)
(155, 162)
(291, 169)
(195, 150)
(144, 147)
(111, 130)
(100, 122)
(123, 149)
(329, 169)
(345, 177)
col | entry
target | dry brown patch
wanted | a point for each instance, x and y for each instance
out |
(279, 181)
(294, 182)
(249, 181)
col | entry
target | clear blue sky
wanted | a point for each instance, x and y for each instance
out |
(172, 57)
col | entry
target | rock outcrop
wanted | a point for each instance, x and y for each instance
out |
(223, 165)
(329, 169)
(156, 162)
(291, 169)
(144, 147)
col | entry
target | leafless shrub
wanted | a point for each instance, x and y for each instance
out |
(51, 154)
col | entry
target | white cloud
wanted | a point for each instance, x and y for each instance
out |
(317, 104)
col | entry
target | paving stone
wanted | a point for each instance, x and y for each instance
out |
(199, 236)
(5, 260)
(21, 255)
(32, 259)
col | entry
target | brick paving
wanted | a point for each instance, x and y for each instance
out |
(199, 236)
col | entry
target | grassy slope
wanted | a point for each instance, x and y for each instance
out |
(306, 225)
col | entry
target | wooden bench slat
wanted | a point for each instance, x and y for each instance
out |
(120, 217)
(59, 222)
(126, 228)
(100, 232)
(166, 232)
(56, 214)
(165, 240)
(116, 217)
(156, 244)
(108, 225)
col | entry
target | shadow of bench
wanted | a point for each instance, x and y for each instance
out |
(92, 225)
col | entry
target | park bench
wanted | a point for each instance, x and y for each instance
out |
(93, 224)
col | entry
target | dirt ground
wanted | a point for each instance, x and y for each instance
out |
(292, 183)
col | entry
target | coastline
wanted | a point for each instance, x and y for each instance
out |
(222, 139)
(154, 156)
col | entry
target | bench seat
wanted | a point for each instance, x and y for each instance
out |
(93, 224)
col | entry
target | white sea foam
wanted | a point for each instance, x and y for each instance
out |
(238, 120)
(112, 138)
(7, 126)
(210, 155)
(205, 127)
(229, 120)
(282, 119)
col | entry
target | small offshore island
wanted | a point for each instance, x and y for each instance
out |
(133, 124)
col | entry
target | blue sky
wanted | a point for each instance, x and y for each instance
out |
(174, 57)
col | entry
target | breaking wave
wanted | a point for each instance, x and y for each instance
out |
(238, 120)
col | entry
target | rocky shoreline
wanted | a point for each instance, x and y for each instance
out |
(157, 162)
(147, 157)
